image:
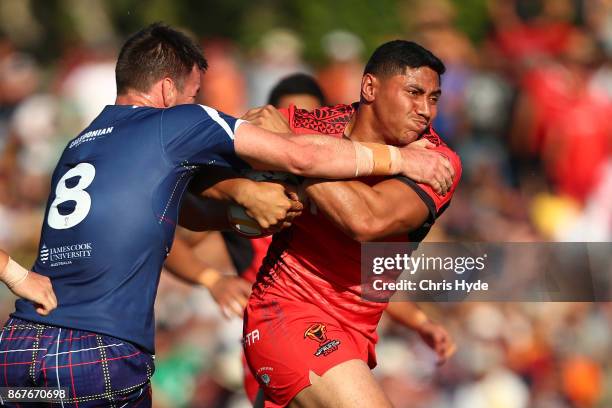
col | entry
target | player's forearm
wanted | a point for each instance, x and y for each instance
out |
(407, 314)
(315, 155)
(322, 156)
(183, 264)
(232, 189)
(11, 273)
(221, 183)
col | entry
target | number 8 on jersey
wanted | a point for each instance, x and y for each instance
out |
(86, 173)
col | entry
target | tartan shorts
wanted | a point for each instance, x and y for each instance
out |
(97, 370)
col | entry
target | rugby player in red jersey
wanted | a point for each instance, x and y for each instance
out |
(309, 335)
(303, 92)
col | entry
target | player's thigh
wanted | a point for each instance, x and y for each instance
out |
(347, 385)
(284, 342)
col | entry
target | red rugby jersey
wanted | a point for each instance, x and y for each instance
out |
(313, 260)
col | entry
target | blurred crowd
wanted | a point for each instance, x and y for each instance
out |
(528, 109)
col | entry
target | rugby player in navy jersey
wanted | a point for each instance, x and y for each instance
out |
(112, 211)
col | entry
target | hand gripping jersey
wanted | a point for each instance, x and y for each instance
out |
(112, 212)
(316, 262)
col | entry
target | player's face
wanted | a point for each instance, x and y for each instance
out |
(191, 87)
(406, 104)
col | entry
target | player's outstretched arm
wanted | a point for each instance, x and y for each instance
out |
(229, 291)
(327, 157)
(408, 314)
(27, 284)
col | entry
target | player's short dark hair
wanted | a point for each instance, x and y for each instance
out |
(153, 53)
(294, 85)
(393, 57)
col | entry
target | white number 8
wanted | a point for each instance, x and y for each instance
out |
(86, 172)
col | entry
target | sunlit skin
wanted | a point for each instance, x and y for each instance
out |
(397, 109)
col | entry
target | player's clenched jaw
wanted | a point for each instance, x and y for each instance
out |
(406, 104)
(399, 92)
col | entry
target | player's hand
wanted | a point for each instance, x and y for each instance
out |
(436, 337)
(231, 294)
(424, 165)
(269, 118)
(37, 289)
(272, 204)
(297, 207)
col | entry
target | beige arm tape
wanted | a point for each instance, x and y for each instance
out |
(376, 159)
(13, 274)
(420, 319)
(209, 277)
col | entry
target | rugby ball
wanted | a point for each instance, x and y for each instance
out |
(238, 218)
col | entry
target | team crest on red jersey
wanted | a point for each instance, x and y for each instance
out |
(317, 332)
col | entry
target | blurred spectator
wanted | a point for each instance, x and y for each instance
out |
(300, 90)
(526, 32)
(559, 119)
(225, 86)
(91, 85)
(279, 54)
(434, 27)
(341, 76)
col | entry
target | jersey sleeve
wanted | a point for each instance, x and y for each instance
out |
(200, 135)
(435, 202)
(286, 112)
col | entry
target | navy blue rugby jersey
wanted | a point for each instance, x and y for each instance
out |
(112, 211)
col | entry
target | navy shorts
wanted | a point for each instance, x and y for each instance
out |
(97, 370)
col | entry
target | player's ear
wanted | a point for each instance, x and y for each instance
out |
(169, 92)
(368, 87)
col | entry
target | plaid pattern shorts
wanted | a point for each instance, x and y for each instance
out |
(97, 370)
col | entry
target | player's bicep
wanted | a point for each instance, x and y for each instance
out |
(400, 208)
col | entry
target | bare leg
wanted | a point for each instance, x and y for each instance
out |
(347, 385)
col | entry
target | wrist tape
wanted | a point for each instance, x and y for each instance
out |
(376, 159)
(13, 274)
